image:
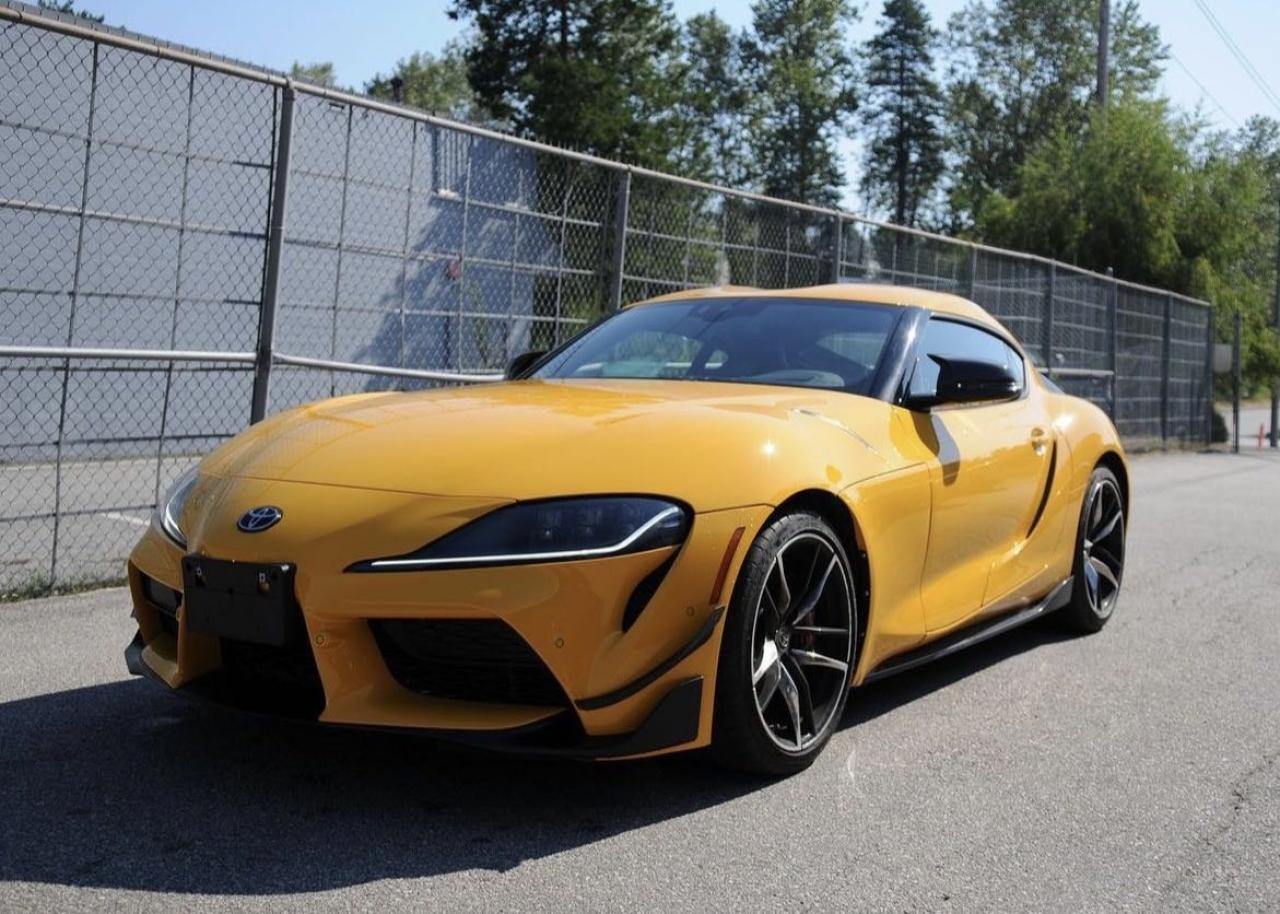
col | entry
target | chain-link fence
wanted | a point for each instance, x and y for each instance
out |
(187, 242)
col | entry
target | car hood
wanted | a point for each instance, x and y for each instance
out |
(711, 445)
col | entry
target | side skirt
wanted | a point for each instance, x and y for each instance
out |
(975, 634)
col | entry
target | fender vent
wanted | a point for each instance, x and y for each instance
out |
(1048, 487)
(644, 592)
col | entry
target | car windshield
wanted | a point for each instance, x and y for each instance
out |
(835, 345)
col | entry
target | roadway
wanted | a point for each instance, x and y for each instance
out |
(1135, 769)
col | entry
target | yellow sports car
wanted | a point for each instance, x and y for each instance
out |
(696, 524)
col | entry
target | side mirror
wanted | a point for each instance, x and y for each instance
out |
(522, 363)
(965, 381)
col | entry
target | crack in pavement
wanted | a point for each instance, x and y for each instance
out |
(1208, 844)
(1216, 582)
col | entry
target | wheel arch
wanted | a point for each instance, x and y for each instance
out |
(1115, 463)
(837, 512)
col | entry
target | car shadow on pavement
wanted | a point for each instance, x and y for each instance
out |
(871, 701)
(122, 786)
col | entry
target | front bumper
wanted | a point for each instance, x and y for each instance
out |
(671, 725)
(624, 691)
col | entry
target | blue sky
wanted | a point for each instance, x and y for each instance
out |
(363, 38)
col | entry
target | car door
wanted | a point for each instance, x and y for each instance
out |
(988, 471)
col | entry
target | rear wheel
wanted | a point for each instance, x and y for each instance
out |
(787, 654)
(1099, 556)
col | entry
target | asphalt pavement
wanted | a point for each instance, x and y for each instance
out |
(1135, 769)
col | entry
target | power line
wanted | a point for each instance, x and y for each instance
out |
(1206, 93)
(1249, 69)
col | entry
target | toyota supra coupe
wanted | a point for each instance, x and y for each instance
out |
(697, 524)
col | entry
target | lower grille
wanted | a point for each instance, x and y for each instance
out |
(274, 680)
(163, 598)
(266, 678)
(168, 624)
(472, 659)
(165, 601)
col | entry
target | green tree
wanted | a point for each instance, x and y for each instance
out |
(1105, 197)
(1259, 140)
(67, 6)
(436, 83)
(1023, 70)
(1228, 237)
(716, 105)
(597, 75)
(1137, 53)
(803, 78)
(321, 73)
(903, 160)
(1164, 202)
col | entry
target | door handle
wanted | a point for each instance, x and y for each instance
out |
(1039, 439)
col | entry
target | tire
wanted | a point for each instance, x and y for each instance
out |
(1098, 566)
(787, 652)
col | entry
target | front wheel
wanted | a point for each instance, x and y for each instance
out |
(788, 649)
(1099, 555)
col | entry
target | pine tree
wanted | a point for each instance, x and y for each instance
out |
(716, 104)
(903, 160)
(803, 76)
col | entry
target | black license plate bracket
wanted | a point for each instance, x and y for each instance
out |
(243, 601)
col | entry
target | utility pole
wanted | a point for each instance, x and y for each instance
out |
(1104, 51)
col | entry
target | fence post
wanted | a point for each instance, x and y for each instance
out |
(1046, 325)
(85, 172)
(621, 208)
(1166, 346)
(837, 249)
(1237, 372)
(972, 278)
(1211, 337)
(1113, 331)
(275, 243)
(342, 245)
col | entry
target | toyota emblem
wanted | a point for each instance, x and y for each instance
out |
(255, 520)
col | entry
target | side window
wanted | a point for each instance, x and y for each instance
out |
(951, 339)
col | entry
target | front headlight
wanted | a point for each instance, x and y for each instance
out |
(562, 530)
(170, 507)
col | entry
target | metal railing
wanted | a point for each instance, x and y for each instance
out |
(188, 243)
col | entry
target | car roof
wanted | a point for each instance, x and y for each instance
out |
(866, 292)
